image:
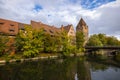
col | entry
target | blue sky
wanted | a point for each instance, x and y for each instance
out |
(37, 7)
(91, 4)
(102, 16)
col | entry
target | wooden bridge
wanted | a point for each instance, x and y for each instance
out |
(103, 47)
(110, 50)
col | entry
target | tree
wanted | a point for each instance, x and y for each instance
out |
(94, 41)
(29, 41)
(79, 40)
(3, 40)
(112, 41)
(67, 46)
(52, 43)
(102, 38)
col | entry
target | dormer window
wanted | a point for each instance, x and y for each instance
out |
(1, 23)
(11, 25)
(11, 29)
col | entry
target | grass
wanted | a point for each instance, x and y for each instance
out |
(9, 57)
(19, 56)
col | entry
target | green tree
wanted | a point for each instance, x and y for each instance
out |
(67, 46)
(80, 41)
(102, 38)
(3, 40)
(112, 41)
(29, 41)
(94, 41)
(52, 43)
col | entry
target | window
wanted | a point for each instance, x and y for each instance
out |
(1, 23)
(51, 31)
(22, 29)
(52, 35)
(11, 25)
(45, 30)
(11, 29)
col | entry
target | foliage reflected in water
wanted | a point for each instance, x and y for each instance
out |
(55, 69)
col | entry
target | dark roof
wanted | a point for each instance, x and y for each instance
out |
(82, 22)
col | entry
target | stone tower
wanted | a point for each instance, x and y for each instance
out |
(82, 27)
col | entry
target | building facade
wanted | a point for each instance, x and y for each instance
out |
(8, 27)
(12, 28)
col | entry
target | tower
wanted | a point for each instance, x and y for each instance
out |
(82, 27)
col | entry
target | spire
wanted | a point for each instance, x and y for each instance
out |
(81, 25)
(82, 22)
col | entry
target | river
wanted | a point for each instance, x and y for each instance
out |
(73, 68)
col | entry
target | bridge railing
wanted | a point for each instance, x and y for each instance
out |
(102, 47)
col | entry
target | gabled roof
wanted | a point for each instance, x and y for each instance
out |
(67, 28)
(82, 22)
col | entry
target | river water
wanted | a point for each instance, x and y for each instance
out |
(75, 68)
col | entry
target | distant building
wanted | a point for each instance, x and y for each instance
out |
(82, 27)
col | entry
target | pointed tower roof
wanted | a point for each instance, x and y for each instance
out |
(81, 25)
(82, 22)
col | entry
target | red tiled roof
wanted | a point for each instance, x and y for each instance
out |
(47, 28)
(12, 27)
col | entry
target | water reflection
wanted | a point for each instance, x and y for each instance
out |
(104, 72)
(58, 69)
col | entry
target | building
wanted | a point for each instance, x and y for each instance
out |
(8, 27)
(12, 28)
(69, 29)
(82, 27)
(52, 30)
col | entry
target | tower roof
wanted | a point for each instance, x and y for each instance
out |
(82, 22)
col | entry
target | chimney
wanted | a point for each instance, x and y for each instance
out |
(62, 27)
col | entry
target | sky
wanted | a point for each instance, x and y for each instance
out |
(101, 16)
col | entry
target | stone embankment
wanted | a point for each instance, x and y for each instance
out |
(29, 59)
